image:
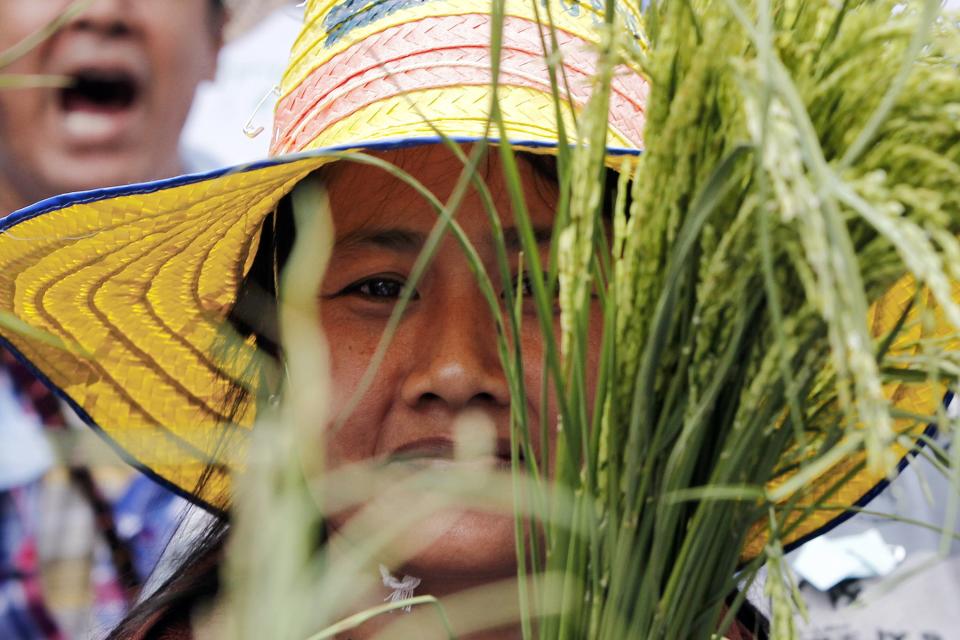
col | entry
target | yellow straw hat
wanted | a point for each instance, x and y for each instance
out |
(134, 283)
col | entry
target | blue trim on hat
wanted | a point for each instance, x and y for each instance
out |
(87, 197)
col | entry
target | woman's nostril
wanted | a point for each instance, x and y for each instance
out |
(482, 398)
(429, 398)
(457, 398)
(485, 398)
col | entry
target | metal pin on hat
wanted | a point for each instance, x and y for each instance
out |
(248, 129)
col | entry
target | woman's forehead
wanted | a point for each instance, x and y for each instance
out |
(365, 197)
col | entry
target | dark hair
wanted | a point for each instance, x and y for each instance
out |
(195, 582)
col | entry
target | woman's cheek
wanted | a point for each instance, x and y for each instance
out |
(350, 352)
(534, 374)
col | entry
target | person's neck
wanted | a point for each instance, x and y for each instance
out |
(18, 191)
(11, 198)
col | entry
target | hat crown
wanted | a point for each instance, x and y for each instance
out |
(364, 72)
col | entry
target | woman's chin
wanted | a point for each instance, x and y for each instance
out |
(451, 552)
(457, 548)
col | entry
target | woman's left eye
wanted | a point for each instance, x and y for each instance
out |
(379, 288)
(526, 287)
(524, 290)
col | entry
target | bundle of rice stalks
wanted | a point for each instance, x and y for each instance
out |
(784, 296)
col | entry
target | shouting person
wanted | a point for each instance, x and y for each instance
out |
(129, 70)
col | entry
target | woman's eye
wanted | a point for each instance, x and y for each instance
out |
(523, 289)
(377, 288)
(526, 287)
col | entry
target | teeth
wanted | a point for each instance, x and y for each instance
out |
(82, 123)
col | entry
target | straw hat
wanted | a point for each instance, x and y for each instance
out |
(134, 282)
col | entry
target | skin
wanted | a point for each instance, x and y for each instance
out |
(442, 362)
(169, 47)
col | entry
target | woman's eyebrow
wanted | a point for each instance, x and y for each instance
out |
(401, 240)
(511, 237)
(398, 240)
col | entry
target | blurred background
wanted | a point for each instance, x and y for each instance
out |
(249, 67)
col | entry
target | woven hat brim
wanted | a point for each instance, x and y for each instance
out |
(132, 284)
(125, 291)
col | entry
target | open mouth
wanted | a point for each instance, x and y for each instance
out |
(100, 91)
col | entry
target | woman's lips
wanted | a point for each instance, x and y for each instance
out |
(435, 447)
(440, 451)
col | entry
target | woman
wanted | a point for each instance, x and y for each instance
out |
(442, 362)
(139, 288)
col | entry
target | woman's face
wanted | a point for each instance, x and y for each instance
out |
(443, 360)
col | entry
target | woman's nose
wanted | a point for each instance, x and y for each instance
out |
(107, 17)
(455, 361)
